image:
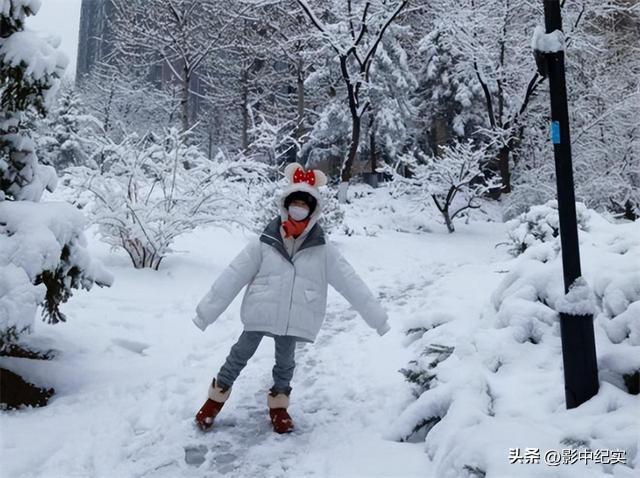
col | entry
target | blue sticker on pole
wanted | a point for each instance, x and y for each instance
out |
(555, 132)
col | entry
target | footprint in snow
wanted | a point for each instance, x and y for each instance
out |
(195, 455)
(131, 345)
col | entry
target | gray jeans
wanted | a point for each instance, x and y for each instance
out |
(244, 349)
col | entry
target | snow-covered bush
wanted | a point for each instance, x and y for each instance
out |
(150, 190)
(43, 252)
(43, 257)
(500, 374)
(531, 296)
(455, 181)
(541, 225)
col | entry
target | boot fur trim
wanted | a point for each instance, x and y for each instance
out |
(279, 401)
(216, 394)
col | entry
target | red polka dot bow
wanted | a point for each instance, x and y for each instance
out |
(301, 176)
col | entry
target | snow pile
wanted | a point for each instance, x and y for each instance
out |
(19, 299)
(30, 179)
(35, 61)
(499, 375)
(541, 225)
(578, 301)
(524, 301)
(547, 42)
(21, 8)
(36, 238)
(41, 56)
(617, 289)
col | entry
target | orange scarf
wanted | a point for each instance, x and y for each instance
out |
(294, 228)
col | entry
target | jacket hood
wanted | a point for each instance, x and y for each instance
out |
(307, 188)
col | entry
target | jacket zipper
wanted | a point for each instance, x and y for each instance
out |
(292, 285)
(271, 237)
(290, 300)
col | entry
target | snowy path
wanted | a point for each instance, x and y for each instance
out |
(134, 370)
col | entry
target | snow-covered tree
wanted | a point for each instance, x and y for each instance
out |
(605, 104)
(260, 97)
(143, 196)
(43, 254)
(176, 37)
(456, 180)
(490, 40)
(329, 136)
(448, 101)
(354, 37)
(390, 122)
(60, 135)
(125, 102)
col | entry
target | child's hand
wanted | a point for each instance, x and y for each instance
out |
(199, 323)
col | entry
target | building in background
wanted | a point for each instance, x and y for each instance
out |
(96, 44)
(95, 41)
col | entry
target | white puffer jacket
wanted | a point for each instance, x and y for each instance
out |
(288, 295)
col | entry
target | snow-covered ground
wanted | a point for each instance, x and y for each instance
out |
(133, 369)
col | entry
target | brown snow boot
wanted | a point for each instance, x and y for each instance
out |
(216, 398)
(280, 419)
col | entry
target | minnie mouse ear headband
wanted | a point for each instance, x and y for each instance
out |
(295, 173)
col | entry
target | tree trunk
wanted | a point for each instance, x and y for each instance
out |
(300, 92)
(210, 142)
(245, 111)
(444, 208)
(447, 220)
(440, 134)
(184, 102)
(345, 175)
(372, 147)
(503, 164)
(142, 255)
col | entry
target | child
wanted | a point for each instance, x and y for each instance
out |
(287, 270)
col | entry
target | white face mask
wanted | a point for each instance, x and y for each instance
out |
(298, 212)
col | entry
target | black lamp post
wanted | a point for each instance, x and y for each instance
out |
(578, 343)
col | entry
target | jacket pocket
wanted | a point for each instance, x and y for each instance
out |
(311, 295)
(260, 281)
